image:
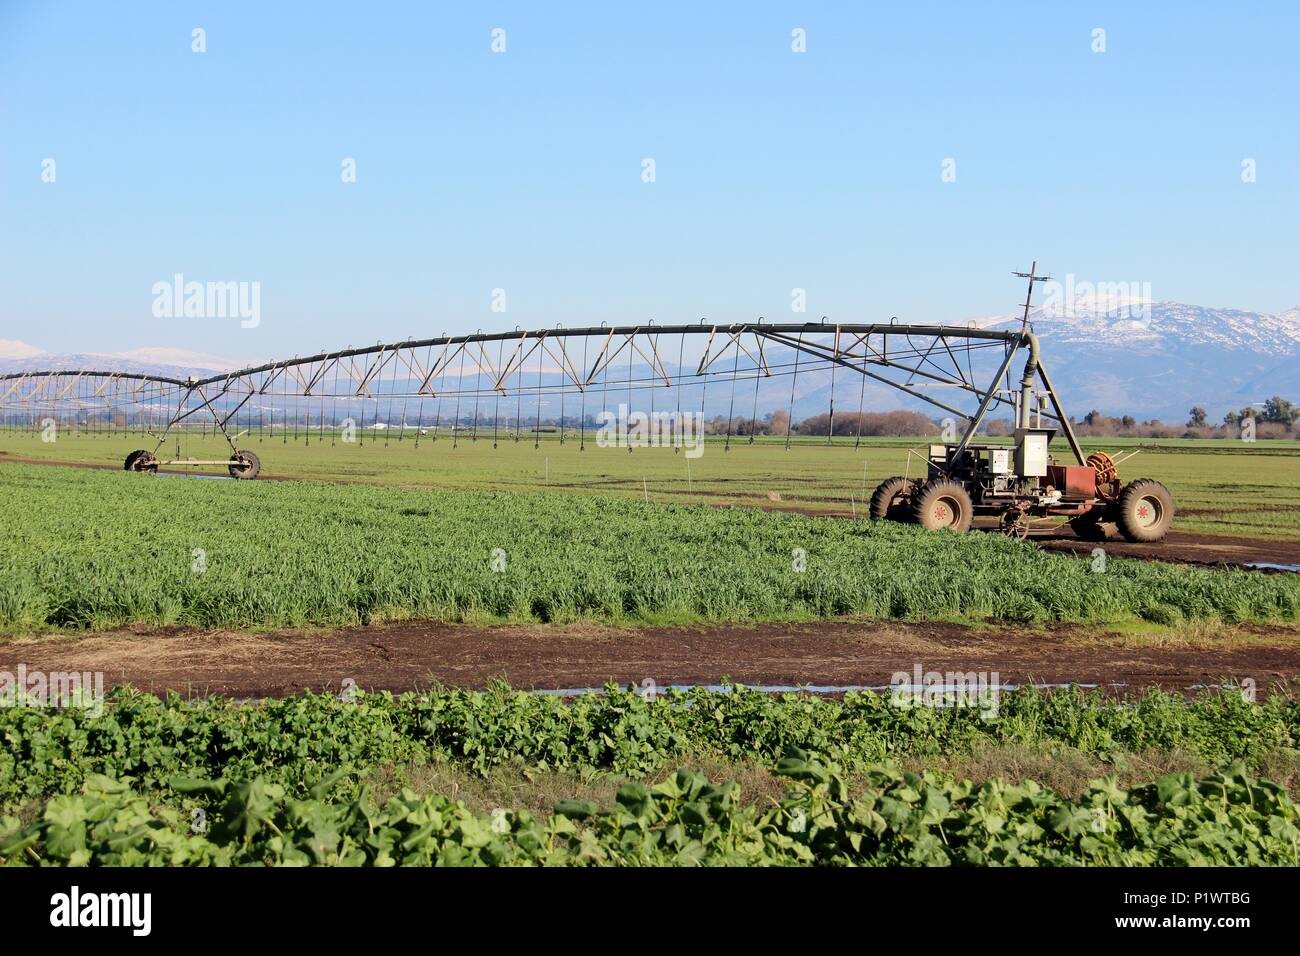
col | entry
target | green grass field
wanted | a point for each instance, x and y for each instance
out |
(1224, 487)
(87, 548)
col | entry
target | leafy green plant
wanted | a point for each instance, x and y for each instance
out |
(299, 741)
(897, 819)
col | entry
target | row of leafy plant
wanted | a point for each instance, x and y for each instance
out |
(91, 549)
(299, 741)
(897, 818)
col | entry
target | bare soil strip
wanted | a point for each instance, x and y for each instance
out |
(413, 655)
(1186, 547)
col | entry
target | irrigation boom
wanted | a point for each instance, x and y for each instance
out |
(571, 361)
(965, 372)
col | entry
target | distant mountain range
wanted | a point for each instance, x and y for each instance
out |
(1158, 359)
(175, 363)
(1119, 356)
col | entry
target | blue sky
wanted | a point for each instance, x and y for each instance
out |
(522, 170)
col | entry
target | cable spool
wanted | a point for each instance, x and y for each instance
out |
(1108, 483)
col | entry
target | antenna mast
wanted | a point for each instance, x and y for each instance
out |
(1029, 293)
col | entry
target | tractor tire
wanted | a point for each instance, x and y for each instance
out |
(942, 504)
(892, 499)
(245, 465)
(141, 460)
(1146, 510)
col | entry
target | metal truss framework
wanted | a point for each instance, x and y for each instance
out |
(947, 367)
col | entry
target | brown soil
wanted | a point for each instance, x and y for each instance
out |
(1187, 547)
(411, 655)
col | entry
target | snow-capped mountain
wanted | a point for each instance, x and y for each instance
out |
(13, 350)
(1157, 359)
(18, 356)
(1123, 321)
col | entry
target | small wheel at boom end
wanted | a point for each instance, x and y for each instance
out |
(245, 465)
(141, 460)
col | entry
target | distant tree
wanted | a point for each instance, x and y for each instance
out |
(1232, 419)
(1278, 409)
(779, 422)
(893, 424)
(1196, 417)
(1128, 421)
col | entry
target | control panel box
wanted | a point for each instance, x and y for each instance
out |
(1031, 453)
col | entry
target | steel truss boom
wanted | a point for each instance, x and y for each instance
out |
(913, 359)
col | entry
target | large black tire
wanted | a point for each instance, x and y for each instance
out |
(942, 504)
(1145, 510)
(141, 460)
(892, 499)
(245, 465)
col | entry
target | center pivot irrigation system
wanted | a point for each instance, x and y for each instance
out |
(465, 386)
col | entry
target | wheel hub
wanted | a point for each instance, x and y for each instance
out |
(944, 512)
(1147, 512)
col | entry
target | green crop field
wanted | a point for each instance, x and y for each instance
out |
(1226, 487)
(558, 534)
(85, 548)
(318, 780)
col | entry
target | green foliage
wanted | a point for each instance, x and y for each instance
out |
(301, 743)
(1276, 409)
(86, 549)
(897, 819)
(1208, 477)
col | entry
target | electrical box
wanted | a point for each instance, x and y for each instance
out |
(1031, 452)
(1000, 461)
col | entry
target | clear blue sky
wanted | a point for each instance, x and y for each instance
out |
(522, 170)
